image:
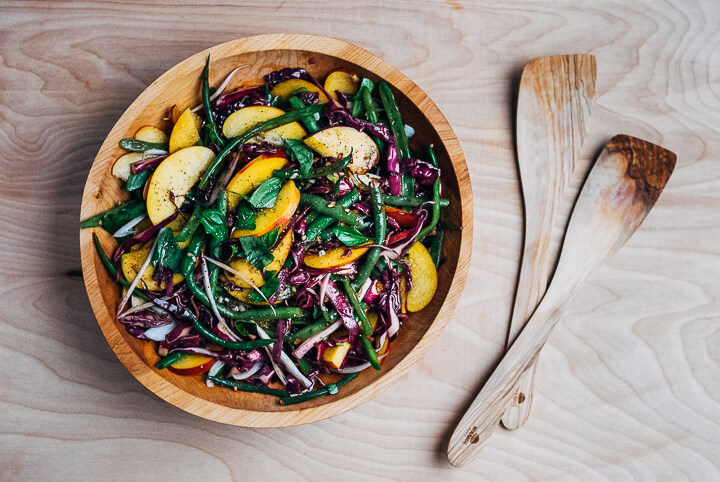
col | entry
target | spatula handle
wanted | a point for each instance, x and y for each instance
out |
(481, 419)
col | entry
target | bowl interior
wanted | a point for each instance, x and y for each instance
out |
(180, 86)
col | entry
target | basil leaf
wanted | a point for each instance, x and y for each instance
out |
(167, 252)
(215, 223)
(269, 274)
(136, 181)
(265, 196)
(268, 289)
(255, 252)
(299, 152)
(271, 238)
(349, 236)
(244, 216)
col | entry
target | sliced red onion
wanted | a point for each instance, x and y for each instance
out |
(287, 362)
(128, 227)
(159, 333)
(364, 288)
(213, 372)
(135, 282)
(323, 287)
(308, 344)
(247, 374)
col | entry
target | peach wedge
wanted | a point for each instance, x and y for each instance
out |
(340, 141)
(176, 174)
(248, 117)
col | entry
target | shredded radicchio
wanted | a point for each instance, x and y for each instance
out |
(274, 78)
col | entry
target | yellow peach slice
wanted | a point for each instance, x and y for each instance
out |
(335, 257)
(334, 355)
(122, 166)
(176, 174)
(186, 132)
(341, 81)
(244, 119)
(285, 88)
(424, 278)
(151, 134)
(131, 263)
(340, 141)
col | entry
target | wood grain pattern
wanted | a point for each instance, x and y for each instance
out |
(554, 102)
(264, 54)
(621, 189)
(628, 386)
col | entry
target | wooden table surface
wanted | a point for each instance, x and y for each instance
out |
(628, 386)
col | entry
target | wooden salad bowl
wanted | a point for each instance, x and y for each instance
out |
(180, 85)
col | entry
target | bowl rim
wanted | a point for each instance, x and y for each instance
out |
(188, 402)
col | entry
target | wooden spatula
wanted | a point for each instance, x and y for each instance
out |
(622, 187)
(554, 103)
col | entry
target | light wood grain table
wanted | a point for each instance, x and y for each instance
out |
(627, 388)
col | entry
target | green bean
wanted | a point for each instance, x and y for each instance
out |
(315, 227)
(308, 331)
(330, 389)
(350, 292)
(380, 232)
(309, 121)
(396, 124)
(169, 360)
(246, 387)
(136, 145)
(358, 107)
(405, 201)
(266, 313)
(370, 350)
(269, 125)
(366, 327)
(209, 119)
(407, 185)
(230, 345)
(191, 226)
(314, 172)
(337, 212)
(187, 267)
(436, 246)
(370, 111)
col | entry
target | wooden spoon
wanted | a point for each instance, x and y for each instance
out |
(622, 187)
(555, 99)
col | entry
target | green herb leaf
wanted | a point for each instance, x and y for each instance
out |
(265, 196)
(167, 252)
(299, 152)
(255, 252)
(349, 236)
(244, 216)
(215, 223)
(268, 289)
(136, 181)
(271, 238)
